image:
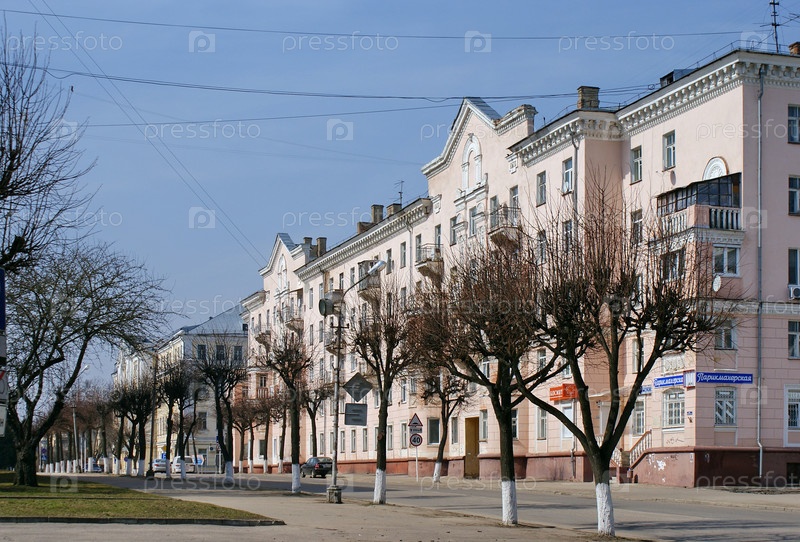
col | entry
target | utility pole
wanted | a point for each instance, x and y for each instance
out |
(775, 24)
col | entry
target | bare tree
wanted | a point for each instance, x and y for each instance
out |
(222, 370)
(314, 394)
(287, 354)
(39, 159)
(246, 416)
(379, 337)
(603, 286)
(71, 300)
(476, 324)
(176, 386)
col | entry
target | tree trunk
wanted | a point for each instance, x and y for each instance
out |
(379, 495)
(602, 490)
(25, 469)
(508, 483)
(170, 407)
(437, 469)
(250, 468)
(295, 436)
(282, 447)
(312, 418)
(142, 451)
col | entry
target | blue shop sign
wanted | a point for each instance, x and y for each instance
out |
(724, 378)
(668, 381)
(647, 389)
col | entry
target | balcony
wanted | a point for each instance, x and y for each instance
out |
(293, 317)
(371, 285)
(702, 216)
(330, 340)
(504, 225)
(429, 260)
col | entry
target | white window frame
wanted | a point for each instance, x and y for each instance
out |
(793, 409)
(403, 435)
(473, 221)
(364, 440)
(567, 171)
(794, 266)
(636, 164)
(725, 406)
(403, 390)
(637, 227)
(725, 336)
(637, 352)
(794, 123)
(670, 156)
(794, 339)
(390, 437)
(541, 188)
(726, 260)
(567, 232)
(541, 246)
(541, 424)
(674, 401)
(483, 427)
(638, 417)
(353, 440)
(454, 430)
(403, 255)
(568, 409)
(794, 195)
(453, 228)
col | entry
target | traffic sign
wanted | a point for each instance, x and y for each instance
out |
(3, 386)
(355, 414)
(415, 439)
(415, 421)
(358, 387)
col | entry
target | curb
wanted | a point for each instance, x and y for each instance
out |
(146, 521)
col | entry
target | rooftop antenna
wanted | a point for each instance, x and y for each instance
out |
(775, 24)
(400, 184)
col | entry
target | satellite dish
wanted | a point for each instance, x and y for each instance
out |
(717, 284)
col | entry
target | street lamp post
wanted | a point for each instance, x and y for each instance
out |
(326, 308)
(75, 433)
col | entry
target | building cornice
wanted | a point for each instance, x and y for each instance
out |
(408, 217)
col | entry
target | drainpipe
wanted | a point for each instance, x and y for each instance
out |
(759, 345)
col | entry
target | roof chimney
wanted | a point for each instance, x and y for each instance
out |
(588, 97)
(321, 246)
(377, 213)
(307, 241)
(794, 48)
(393, 209)
(361, 227)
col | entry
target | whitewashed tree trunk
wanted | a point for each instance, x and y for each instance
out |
(379, 496)
(508, 489)
(129, 467)
(605, 509)
(182, 463)
(90, 465)
(229, 472)
(266, 466)
(295, 478)
(117, 466)
(106, 465)
(142, 468)
(437, 472)
(280, 466)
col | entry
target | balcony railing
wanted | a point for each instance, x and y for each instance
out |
(504, 224)
(371, 282)
(429, 260)
(702, 216)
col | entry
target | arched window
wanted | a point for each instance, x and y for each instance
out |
(471, 167)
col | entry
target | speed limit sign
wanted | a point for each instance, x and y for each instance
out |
(416, 439)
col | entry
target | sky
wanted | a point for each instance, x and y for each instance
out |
(216, 127)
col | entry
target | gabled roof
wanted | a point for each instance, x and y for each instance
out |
(280, 239)
(226, 322)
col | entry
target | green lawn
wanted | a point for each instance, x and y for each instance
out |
(92, 500)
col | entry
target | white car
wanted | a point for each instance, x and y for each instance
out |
(190, 466)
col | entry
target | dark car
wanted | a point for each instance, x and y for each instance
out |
(316, 466)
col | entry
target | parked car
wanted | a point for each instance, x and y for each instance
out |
(160, 465)
(97, 468)
(316, 466)
(190, 466)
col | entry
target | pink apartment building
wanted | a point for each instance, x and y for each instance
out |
(714, 154)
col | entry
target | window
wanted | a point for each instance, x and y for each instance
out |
(794, 340)
(364, 440)
(473, 221)
(566, 176)
(403, 390)
(402, 255)
(541, 188)
(674, 407)
(794, 266)
(404, 435)
(454, 430)
(514, 425)
(541, 246)
(793, 408)
(220, 351)
(403, 296)
(310, 298)
(725, 336)
(483, 433)
(637, 227)
(353, 364)
(389, 261)
(725, 406)
(311, 334)
(638, 417)
(321, 290)
(541, 359)
(567, 229)
(201, 351)
(720, 192)
(669, 150)
(453, 225)
(341, 279)
(352, 440)
(262, 381)
(567, 410)
(794, 120)
(413, 386)
(237, 353)
(390, 437)
(437, 235)
(567, 371)
(486, 369)
(341, 441)
(638, 355)
(672, 265)
(794, 195)
(418, 248)
(726, 260)
(636, 165)
(513, 197)
(433, 430)
(494, 214)
(352, 276)
(376, 438)
(541, 424)
(330, 284)
(377, 395)
(202, 421)
(321, 330)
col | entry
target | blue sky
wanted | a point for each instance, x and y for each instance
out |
(197, 182)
